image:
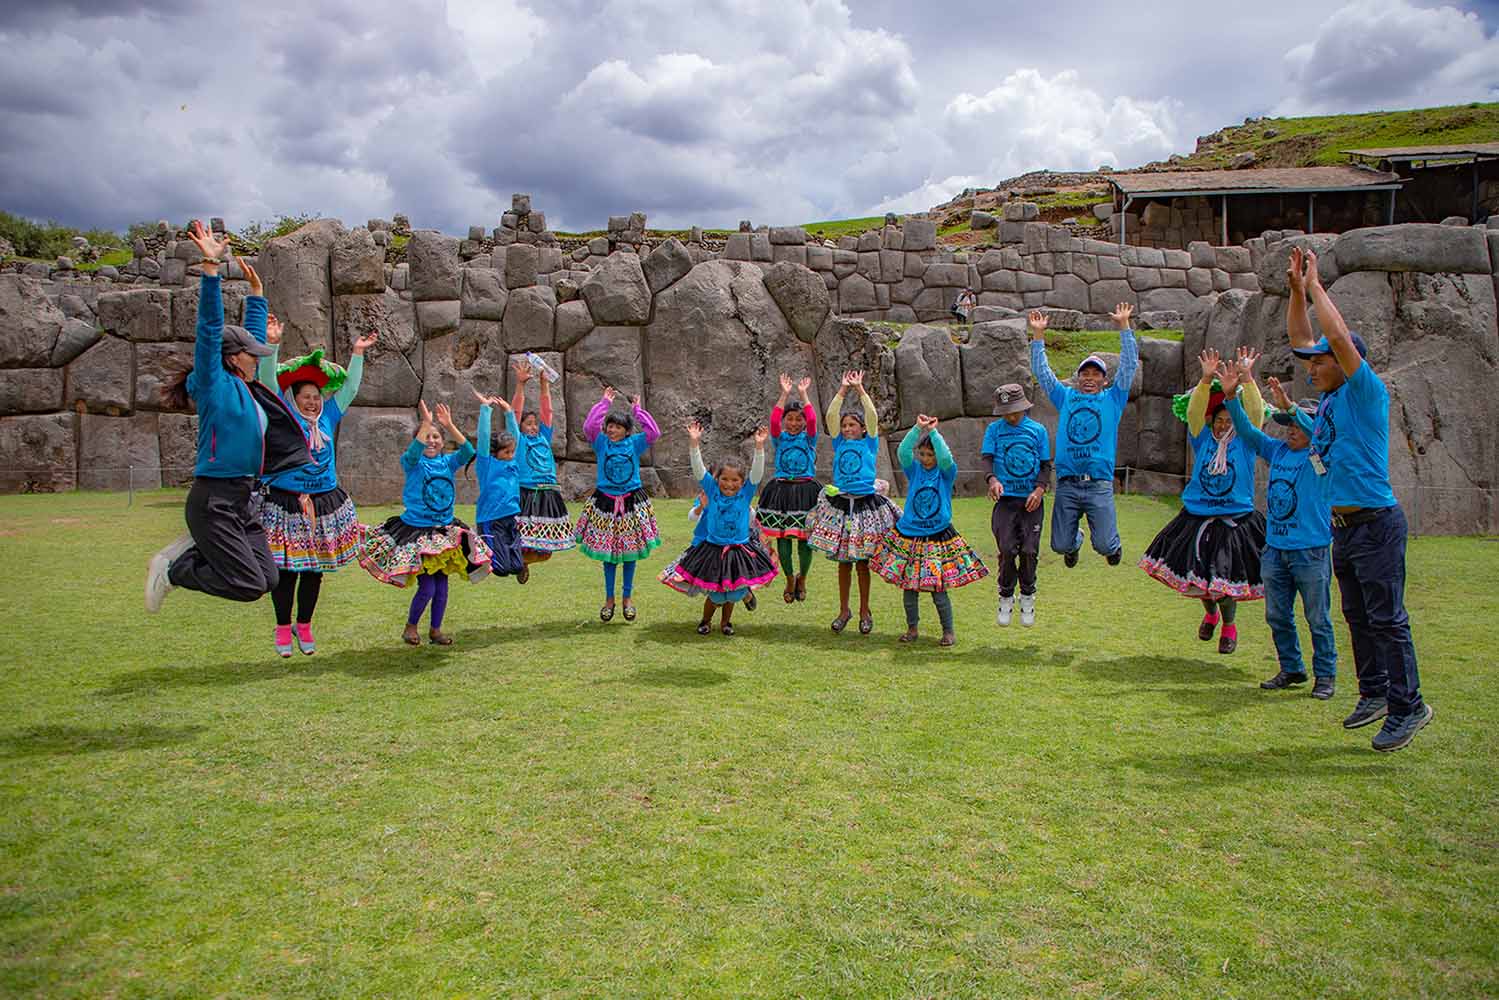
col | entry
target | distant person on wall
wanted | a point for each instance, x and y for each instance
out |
(543, 522)
(1017, 467)
(1211, 549)
(1298, 531)
(245, 431)
(618, 526)
(1087, 439)
(310, 522)
(963, 307)
(1350, 445)
(787, 501)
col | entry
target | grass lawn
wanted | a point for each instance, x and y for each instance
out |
(1066, 349)
(834, 228)
(1101, 806)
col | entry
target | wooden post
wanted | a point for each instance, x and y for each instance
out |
(1225, 221)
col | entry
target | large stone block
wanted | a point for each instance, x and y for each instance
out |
(737, 247)
(802, 297)
(1271, 266)
(996, 354)
(666, 264)
(77, 336)
(521, 261)
(177, 436)
(845, 344)
(139, 314)
(1437, 313)
(41, 453)
(393, 366)
(529, 316)
(158, 366)
(1068, 291)
(484, 294)
(617, 293)
(1429, 248)
(607, 356)
(945, 276)
(928, 373)
(30, 390)
(1161, 439)
(103, 377)
(298, 285)
(437, 318)
(30, 323)
(856, 295)
(1106, 293)
(572, 323)
(435, 266)
(1161, 366)
(788, 235)
(118, 453)
(357, 264)
(370, 442)
(1167, 300)
(919, 234)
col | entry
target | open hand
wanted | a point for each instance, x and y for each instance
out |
(522, 369)
(694, 431)
(856, 379)
(635, 402)
(1038, 321)
(212, 248)
(1210, 361)
(785, 383)
(1278, 394)
(252, 276)
(1313, 279)
(762, 434)
(272, 329)
(1246, 360)
(445, 415)
(803, 384)
(1121, 315)
(1295, 271)
(1228, 376)
(362, 344)
(421, 407)
(609, 393)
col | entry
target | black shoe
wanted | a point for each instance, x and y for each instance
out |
(1366, 711)
(1070, 559)
(1322, 688)
(1114, 557)
(1283, 680)
(1397, 733)
(750, 602)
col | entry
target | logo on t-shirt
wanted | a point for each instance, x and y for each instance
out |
(1280, 499)
(727, 519)
(618, 470)
(926, 502)
(1020, 459)
(437, 492)
(1084, 426)
(1217, 484)
(850, 463)
(536, 455)
(1324, 432)
(793, 460)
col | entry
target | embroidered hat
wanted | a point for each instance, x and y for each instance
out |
(314, 368)
(1093, 360)
(1010, 398)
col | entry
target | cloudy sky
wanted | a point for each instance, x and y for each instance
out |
(695, 111)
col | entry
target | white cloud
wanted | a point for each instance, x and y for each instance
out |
(1374, 54)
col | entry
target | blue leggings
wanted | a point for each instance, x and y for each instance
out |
(433, 589)
(609, 569)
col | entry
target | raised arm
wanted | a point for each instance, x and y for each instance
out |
(1298, 323)
(344, 397)
(483, 433)
(593, 424)
(1331, 321)
(835, 407)
(1257, 439)
(695, 450)
(757, 464)
(1129, 353)
(208, 341)
(1040, 367)
(445, 421)
(413, 453)
(780, 407)
(646, 421)
(906, 453)
(544, 408)
(1197, 406)
(512, 426)
(871, 413)
(265, 368)
(945, 460)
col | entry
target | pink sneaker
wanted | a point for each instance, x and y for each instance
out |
(304, 638)
(283, 640)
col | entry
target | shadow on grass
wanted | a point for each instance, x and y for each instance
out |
(1208, 686)
(47, 741)
(368, 663)
(1351, 759)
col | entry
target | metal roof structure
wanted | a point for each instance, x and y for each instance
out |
(1271, 180)
(1407, 154)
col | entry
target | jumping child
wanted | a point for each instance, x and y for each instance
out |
(426, 542)
(791, 495)
(617, 524)
(851, 518)
(923, 552)
(1211, 549)
(725, 562)
(1017, 466)
(310, 522)
(495, 514)
(543, 522)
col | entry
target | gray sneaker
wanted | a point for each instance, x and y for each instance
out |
(1323, 688)
(1366, 711)
(1397, 733)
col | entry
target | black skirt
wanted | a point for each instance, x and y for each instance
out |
(542, 503)
(785, 506)
(1210, 557)
(723, 573)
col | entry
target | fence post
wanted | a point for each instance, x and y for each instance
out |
(130, 486)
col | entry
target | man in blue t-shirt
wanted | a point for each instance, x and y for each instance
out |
(1017, 466)
(1088, 415)
(1350, 446)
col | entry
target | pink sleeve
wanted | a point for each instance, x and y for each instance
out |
(775, 421)
(811, 415)
(647, 424)
(594, 422)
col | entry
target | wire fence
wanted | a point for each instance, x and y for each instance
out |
(1439, 510)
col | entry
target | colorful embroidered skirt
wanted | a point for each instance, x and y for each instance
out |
(941, 561)
(1210, 557)
(722, 573)
(617, 529)
(322, 544)
(502, 535)
(397, 552)
(543, 523)
(848, 528)
(785, 506)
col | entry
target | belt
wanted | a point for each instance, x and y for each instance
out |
(1083, 479)
(1359, 515)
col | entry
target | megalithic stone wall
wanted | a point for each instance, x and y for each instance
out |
(704, 333)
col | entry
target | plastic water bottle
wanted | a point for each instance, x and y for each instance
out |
(537, 364)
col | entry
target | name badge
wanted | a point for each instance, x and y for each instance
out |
(1317, 465)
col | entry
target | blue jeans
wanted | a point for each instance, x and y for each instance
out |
(1308, 572)
(1074, 498)
(1369, 562)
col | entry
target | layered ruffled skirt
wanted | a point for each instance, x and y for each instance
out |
(543, 522)
(785, 507)
(319, 544)
(397, 552)
(722, 573)
(1210, 557)
(848, 528)
(617, 529)
(940, 561)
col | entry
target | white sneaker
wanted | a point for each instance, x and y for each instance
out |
(1006, 606)
(157, 583)
(1027, 610)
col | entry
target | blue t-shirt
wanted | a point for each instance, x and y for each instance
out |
(617, 471)
(928, 499)
(1018, 451)
(726, 520)
(796, 456)
(499, 479)
(1230, 492)
(1088, 424)
(1351, 436)
(429, 491)
(1297, 514)
(533, 453)
(853, 464)
(320, 475)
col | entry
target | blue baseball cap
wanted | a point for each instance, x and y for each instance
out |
(1323, 347)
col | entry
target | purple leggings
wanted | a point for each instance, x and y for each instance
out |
(433, 589)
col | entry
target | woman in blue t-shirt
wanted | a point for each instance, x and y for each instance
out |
(1211, 550)
(426, 542)
(923, 552)
(310, 522)
(851, 517)
(543, 522)
(725, 562)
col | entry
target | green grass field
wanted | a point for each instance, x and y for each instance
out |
(1100, 806)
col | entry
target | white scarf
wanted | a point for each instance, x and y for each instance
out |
(1219, 465)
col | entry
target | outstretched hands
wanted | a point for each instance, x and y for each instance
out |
(252, 276)
(1301, 271)
(802, 385)
(1245, 361)
(499, 401)
(523, 372)
(1278, 394)
(1038, 321)
(273, 330)
(445, 417)
(1211, 363)
(762, 434)
(610, 394)
(695, 432)
(1121, 315)
(212, 247)
(853, 380)
(785, 384)
(362, 344)
(1230, 375)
